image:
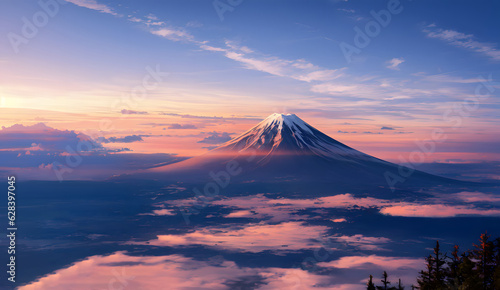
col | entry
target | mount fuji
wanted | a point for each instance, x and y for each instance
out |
(285, 148)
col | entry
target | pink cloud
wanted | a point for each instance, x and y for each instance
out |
(363, 242)
(288, 236)
(436, 210)
(284, 209)
(346, 200)
(477, 197)
(174, 34)
(49, 166)
(120, 270)
(243, 214)
(163, 211)
(39, 137)
(261, 207)
(19, 128)
(93, 5)
(405, 268)
(389, 263)
(283, 237)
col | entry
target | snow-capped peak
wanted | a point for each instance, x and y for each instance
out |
(288, 134)
(284, 148)
(290, 120)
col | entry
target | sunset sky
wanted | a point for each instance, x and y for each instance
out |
(127, 149)
(183, 76)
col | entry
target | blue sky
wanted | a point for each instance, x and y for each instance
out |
(262, 57)
(99, 46)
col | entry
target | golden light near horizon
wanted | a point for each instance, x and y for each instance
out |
(9, 102)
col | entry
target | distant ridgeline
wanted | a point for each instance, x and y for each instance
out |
(478, 268)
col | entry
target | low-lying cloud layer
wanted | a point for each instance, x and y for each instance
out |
(121, 270)
(290, 236)
(450, 205)
(41, 137)
(43, 153)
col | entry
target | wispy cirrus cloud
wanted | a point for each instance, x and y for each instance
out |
(149, 20)
(298, 69)
(335, 83)
(363, 91)
(188, 116)
(174, 34)
(93, 5)
(446, 78)
(322, 75)
(394, 63)
(182, 126)
(124, 139)
(463, 40)
(132, 112)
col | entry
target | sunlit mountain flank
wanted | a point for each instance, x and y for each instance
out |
(284, 147)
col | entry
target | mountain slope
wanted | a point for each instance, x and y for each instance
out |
(285, 148)
(279, 134)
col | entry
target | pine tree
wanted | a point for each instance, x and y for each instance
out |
(384, 281)
(424, 280)
(484, 254)
(474, 269)
(433, 278)
(370, 285)
(400, 286)
(468, 274)
(438, 274)
(453, 279)
(496, 273)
